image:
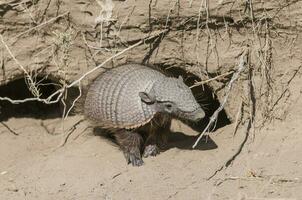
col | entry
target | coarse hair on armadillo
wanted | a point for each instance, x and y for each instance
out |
(112, 100)
(80, 104)
(123, 97)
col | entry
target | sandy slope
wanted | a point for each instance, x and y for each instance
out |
(92, 167)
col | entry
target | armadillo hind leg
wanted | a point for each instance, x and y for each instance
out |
(131, 144)
(156, 140)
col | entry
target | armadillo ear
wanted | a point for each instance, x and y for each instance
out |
(180, 78)
(148, 98)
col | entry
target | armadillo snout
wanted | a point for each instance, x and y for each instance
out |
(195, 115)
(198, 114)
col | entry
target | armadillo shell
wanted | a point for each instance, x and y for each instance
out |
(113, 99)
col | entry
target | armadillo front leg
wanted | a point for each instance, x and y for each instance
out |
(156, 140)
(131, 144)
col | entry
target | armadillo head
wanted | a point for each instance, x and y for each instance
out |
(173, 96)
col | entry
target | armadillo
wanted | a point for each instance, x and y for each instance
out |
(134, 100)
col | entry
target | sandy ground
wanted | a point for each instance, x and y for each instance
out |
(92, 167)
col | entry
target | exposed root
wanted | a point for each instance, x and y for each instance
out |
(242, 65)
(211, 79)
(239, 117)
(40, 25)
(271, 179)
(234, 156)
(71, 130)
(8, 128)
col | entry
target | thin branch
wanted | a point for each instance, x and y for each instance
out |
(32, 85)
(234, 156)
(8, 128)
(28, 77)
(71, 130)
(211, 79)
(273, 180)
(60, 92)
(238, 118)
(213, 118)
(42, 24)
(74, 101)
(142, 41)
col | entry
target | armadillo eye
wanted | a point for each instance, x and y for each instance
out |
(168, 107)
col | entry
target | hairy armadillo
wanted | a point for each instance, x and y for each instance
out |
(133, 99)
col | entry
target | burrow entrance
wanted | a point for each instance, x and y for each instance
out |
(204, 96)
(18, 90)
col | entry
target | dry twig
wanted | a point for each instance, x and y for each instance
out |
(232, 158)
(211, 79)
(59, 93)
(238, 118)
(8, 128)
(40, 25)
(273, 180)
(70, 131)
(213, 118)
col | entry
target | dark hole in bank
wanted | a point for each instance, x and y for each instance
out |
(204, 96)
(18, 90)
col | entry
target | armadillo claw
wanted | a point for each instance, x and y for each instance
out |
(134, 159)
(151, 150)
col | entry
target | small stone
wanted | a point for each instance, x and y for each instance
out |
(13, 189)
(4, 172)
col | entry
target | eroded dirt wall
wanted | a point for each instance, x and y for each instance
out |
(64, 39)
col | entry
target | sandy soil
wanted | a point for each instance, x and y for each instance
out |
(60, 38)
(92, 167)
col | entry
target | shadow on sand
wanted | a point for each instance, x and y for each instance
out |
(175, 140)
(183, 141)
